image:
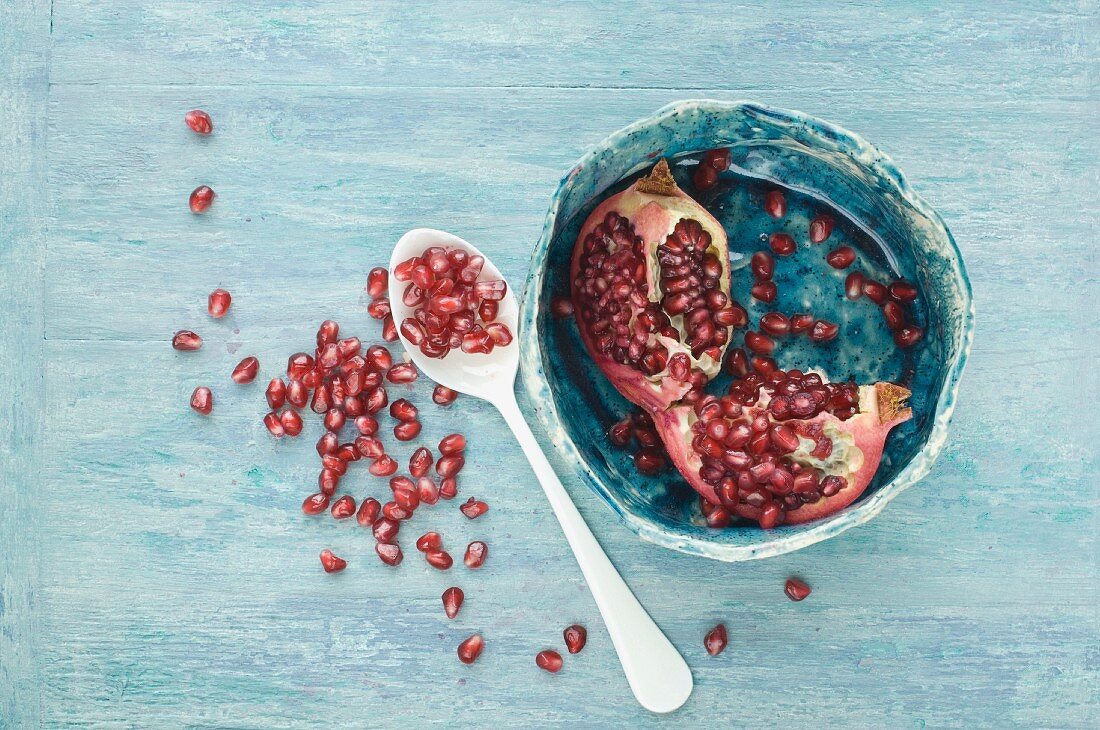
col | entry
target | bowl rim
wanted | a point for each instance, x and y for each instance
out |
(538, 388)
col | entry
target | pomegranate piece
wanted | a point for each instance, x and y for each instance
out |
(246, 370)
(378, 282)
(576, 636)
(202, 400)
(402, 373)
(274, 425)
(908, 335)
(389, 553)
(315, 504)
(217, 304)
(775, 204)
(369, 509)
(470, 649)
(704, 178)
(645, 264)
(429, 541)
(420, 462)
(473, 508)
(782, 244)
(452, 601)
(549, 659)
(439, 559)
(841, 257)
(331, 563)
(795, 589)
(200, 199)
(199, 121)
(844, 427)
(821, 228)
(186, 341)
(476, 552)
(292, 423)
(716, 640)
(903, 291)
(452, 444)
(343, 507)
(276, 393)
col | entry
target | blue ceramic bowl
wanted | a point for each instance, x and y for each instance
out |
(575, 402)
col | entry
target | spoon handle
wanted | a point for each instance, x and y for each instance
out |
(658, 675)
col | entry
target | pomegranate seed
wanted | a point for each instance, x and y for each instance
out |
(718, 518)
(493, 291)
(775, 323)
(420, 462)
(376, 399)
(763, 265)
(769, 515)
(444, 396)
(413, 331)
(383, 466)
(549, 659)
(366, 425)
(348, 453)
(334, 419)
(327, 481)
(370, 447)
(801, 323)
(201, 198)
(476, 552)
(705, 177)
(764, 291)
(452, 444)
(821, 228)
(449, 466)
(217, 304)
(649, 461)
(403, 410)
(199, 121)
(368, 512)
(823, 331)
(908, 335)
(292, 423)
(448, 488)
(758, 343)
(297, 365)
(407, 431)
(379, 309)
(427, 490)
(499, 334)
(331, 563)
(378, 281)
(470, 649)
(903, 291)
(452, 601)
(784, 438)
(327, 444)
(389, 553)
(276, 393)
(332, 462)
(775, 204)
(389, 330)
(576, 636)
(274, 425)
(343, 508)
(841, 258)
(473, 508)
(379, 358)
(874, 291)
(561, 307)
(202, 400)
(439, 559)
(429, 541)
(321, 400)
(405, 495)
(403, 271)
(894, 315)
(315, 504)
(795, 589)
(782, 244)
(716, 640)
(246, 370)
(186, 341)
(402, 373)
(737, 363)
(853, 286)
(385, 529)
(719, 159)
(487, 310)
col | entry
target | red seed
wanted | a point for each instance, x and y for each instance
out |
(334, 419)
(385, 529)
(246, 371)
(407, 430)
(292, 423)
(821, 228)
(705, 177)
(348, 453)
(903, 291)
(368, 512)
(470, 649)
(576, 636)
(763, 265)
(452, 444)
(795, 589)
(452, 601)
(405, 494)
(202, 400)
(784, 438)
(379, 358)
(476, 552)
(327, 333)
(315, 504)
(402, 373)
(908, 335)
(718, 518)
(201, 198)
(487, 310)
(853, 286)
(366, 425)
(775, 323)
(649, 461)
(561, 307)
(327, 481)
(199, 121)
(396, 513)
(823, 331)
(186, 341)
(841, 258)
(217, 304)
(379, 309)
(718, 158)
(801, 323)
(549, 659)
(370, 447)
(894, 315)
(449, 466)
(499, 334)
(782, 244)
(874, 291)
(383, 466)
(403, 410)
(331, 563)
(716, 640)
(420, 462)
(276, 393)
(448, 488)
(473, 508)
(492, 291)
(389, 553)
(343, 507)
(327, 444)
(389, 330)
(764, 291)
(274, 425)
(377, 282)
(427, 490)
(322, 399)
(439, 559)
(775, 204)
(758, 343)
(429, 541)
(376, 399)
(297, 365)
(444, 396)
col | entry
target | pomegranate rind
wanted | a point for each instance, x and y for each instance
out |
(860, 440)
(653, 205)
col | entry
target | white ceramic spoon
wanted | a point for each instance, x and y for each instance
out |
(658, 675)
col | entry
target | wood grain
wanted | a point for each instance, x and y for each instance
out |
(156, 571)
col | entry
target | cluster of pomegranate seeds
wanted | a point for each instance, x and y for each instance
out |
(452, 309)
(217, 304)
(650, 456)
(199, 121)
(549, 660)
(378, 281)
(716, 640)
(706, 174)
(795, 589)
(200, 199)
(889, 300)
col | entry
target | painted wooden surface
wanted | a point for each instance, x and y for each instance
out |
(156, 571)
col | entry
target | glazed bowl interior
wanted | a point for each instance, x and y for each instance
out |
(897, 235)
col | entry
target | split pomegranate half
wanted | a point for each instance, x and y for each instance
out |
(650, 286)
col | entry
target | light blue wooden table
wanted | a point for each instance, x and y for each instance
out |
(154, 568)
